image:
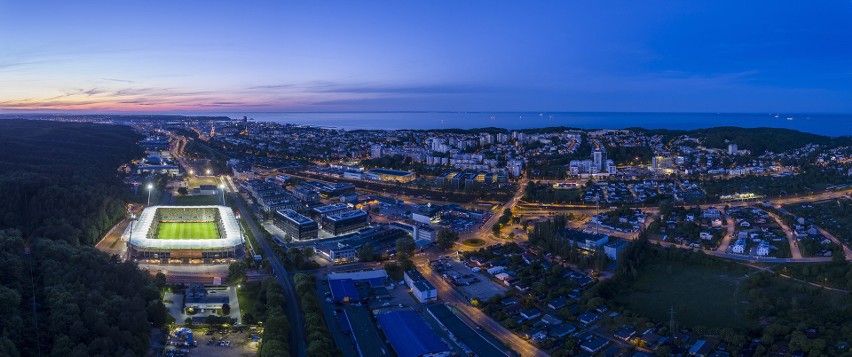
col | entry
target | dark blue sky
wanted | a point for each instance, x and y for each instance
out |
(709, 56)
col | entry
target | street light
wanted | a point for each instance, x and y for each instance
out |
(150, 188)
(191, 172)
(208, 172)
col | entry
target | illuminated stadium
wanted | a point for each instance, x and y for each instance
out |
(186, 234)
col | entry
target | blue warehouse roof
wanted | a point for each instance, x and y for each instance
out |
(344, 290)
(409, 335)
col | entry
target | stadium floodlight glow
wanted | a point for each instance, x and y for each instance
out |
(146, 234)
(150, 188)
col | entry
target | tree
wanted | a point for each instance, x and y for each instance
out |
(226, 309)
(366, 253)
(188, 321)
(160, 280)
(237, 272)
(837, 255)
(157, 313)
(446, 238)
(183, 191)
(666, 207)
(405, 248)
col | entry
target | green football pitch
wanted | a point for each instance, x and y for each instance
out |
(188, 230)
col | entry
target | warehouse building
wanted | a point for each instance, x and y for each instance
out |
(410, 336)
(421, 288)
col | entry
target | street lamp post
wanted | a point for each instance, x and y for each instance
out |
(208, 172)
(150, 188)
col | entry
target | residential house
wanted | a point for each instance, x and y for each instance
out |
(626, 333)
(557, 303)
(588, 318)
(594, 345)
(530, 314)
(562, 330)
(701, 348)
(739, 246)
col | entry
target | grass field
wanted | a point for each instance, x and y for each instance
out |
(196, 181)
(473, 242)
(699, 296)
(188, 230)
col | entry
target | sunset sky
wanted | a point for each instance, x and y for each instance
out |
(207, 56)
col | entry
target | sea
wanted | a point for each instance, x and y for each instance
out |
(822, 124)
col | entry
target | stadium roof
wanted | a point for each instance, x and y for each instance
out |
(409, 335)
(232, 234)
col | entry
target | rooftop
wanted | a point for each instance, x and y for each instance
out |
(346, 215)
(294, 216)
(391, 172)
(409, 335)
(331, 207)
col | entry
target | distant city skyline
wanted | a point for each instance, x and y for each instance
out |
(617, 56)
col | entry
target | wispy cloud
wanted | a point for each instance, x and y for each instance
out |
(118, 80)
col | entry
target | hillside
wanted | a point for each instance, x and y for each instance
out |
(757, 140)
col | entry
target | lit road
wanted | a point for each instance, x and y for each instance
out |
(846, 252)
(294, 312)
(729, 235)
(111, 242)
(484, 232)
(794, 248)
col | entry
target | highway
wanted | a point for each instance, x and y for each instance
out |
(294, 312)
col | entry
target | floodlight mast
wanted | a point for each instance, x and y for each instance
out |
(150, 188)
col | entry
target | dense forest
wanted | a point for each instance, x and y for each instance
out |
(758, 140)
(59, 180)
(61, 191)
(774, 313)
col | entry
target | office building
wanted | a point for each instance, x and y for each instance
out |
(344, 222)
(296, 225)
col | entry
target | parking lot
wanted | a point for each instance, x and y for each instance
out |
(472, 285)
(225, 342)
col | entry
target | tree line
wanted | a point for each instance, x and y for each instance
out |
(318, 337)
